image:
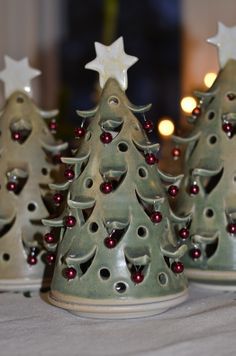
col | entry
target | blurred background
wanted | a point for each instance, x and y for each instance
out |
(168, 37)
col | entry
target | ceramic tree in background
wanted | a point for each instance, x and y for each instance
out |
(208, 191)
(117, 254)
(28, 151)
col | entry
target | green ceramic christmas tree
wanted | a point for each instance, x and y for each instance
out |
(208, 191)
(27, 147)
(117, 255)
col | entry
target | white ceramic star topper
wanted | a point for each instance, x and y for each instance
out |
(225, 40)
(112, 62)
(17, 75)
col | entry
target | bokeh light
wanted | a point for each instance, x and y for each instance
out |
(188, 103)
(209, 79)
(166, 127)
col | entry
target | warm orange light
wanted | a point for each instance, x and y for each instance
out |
(209, 79)
(188, 103)
(166, 127)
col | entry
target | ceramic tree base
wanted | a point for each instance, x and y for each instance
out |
(23, 285)
(218, 280)
(123, 309)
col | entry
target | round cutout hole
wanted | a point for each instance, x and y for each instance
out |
(211, 115)
(142, 231)
(212, 139)
(105, 273)
(31, 206)
(209, 213)
(142, 172)
(123, 147)
(6, 257)
(162, 278)
(93, 227)
(120, 287)
(44, 171)
(113, 100)
(19, 100)
(89, 183)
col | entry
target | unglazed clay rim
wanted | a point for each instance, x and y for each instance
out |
(116, 309)
(24, 284)
(218, 280)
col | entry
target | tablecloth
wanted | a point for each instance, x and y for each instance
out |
(203, 325)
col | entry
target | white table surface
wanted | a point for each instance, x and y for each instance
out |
(204, 325)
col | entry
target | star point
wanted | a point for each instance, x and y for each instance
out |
(225, 40)
(17, 75)
(112, 62)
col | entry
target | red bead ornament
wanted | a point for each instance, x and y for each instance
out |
(227, 127)
(148, 126)
(106, 137)
(11, 186)
(53, 126)
(70, 221)
(58, 198)
(69, 174)
(49, 238)
(156, 217)
(184, 233)
(32, 260)
(150, 158)
(177, 267)
(50, 258)
(195, 253)
(16, 136)
(110, 242)
(80, 132)
(173, 190)
(70, 273)
(106, 187)
(137, 277)
(231, 96)
(56, 159)
(176, 153)
(194, 189)
(196, 111)
(231, 228)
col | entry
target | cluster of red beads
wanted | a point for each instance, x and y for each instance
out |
(32, 257)
(106, 187)
(50, 258)
(177, 267)
(106, 137)
(151, 159)
(16, 136)
(176, 152)
(148, 126)
(156, 217)
(137, 277)
(69, 174)
(196, 111)
(49, 238)
(194, 189)
(70, 221)
(173, 190)
(195, 253)
(110, 242)
(70, 273)
(53, 126)
(11, 186)
(231, 228)
(184, 233)
(227, 127)
(80, 132)
(58, 198)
